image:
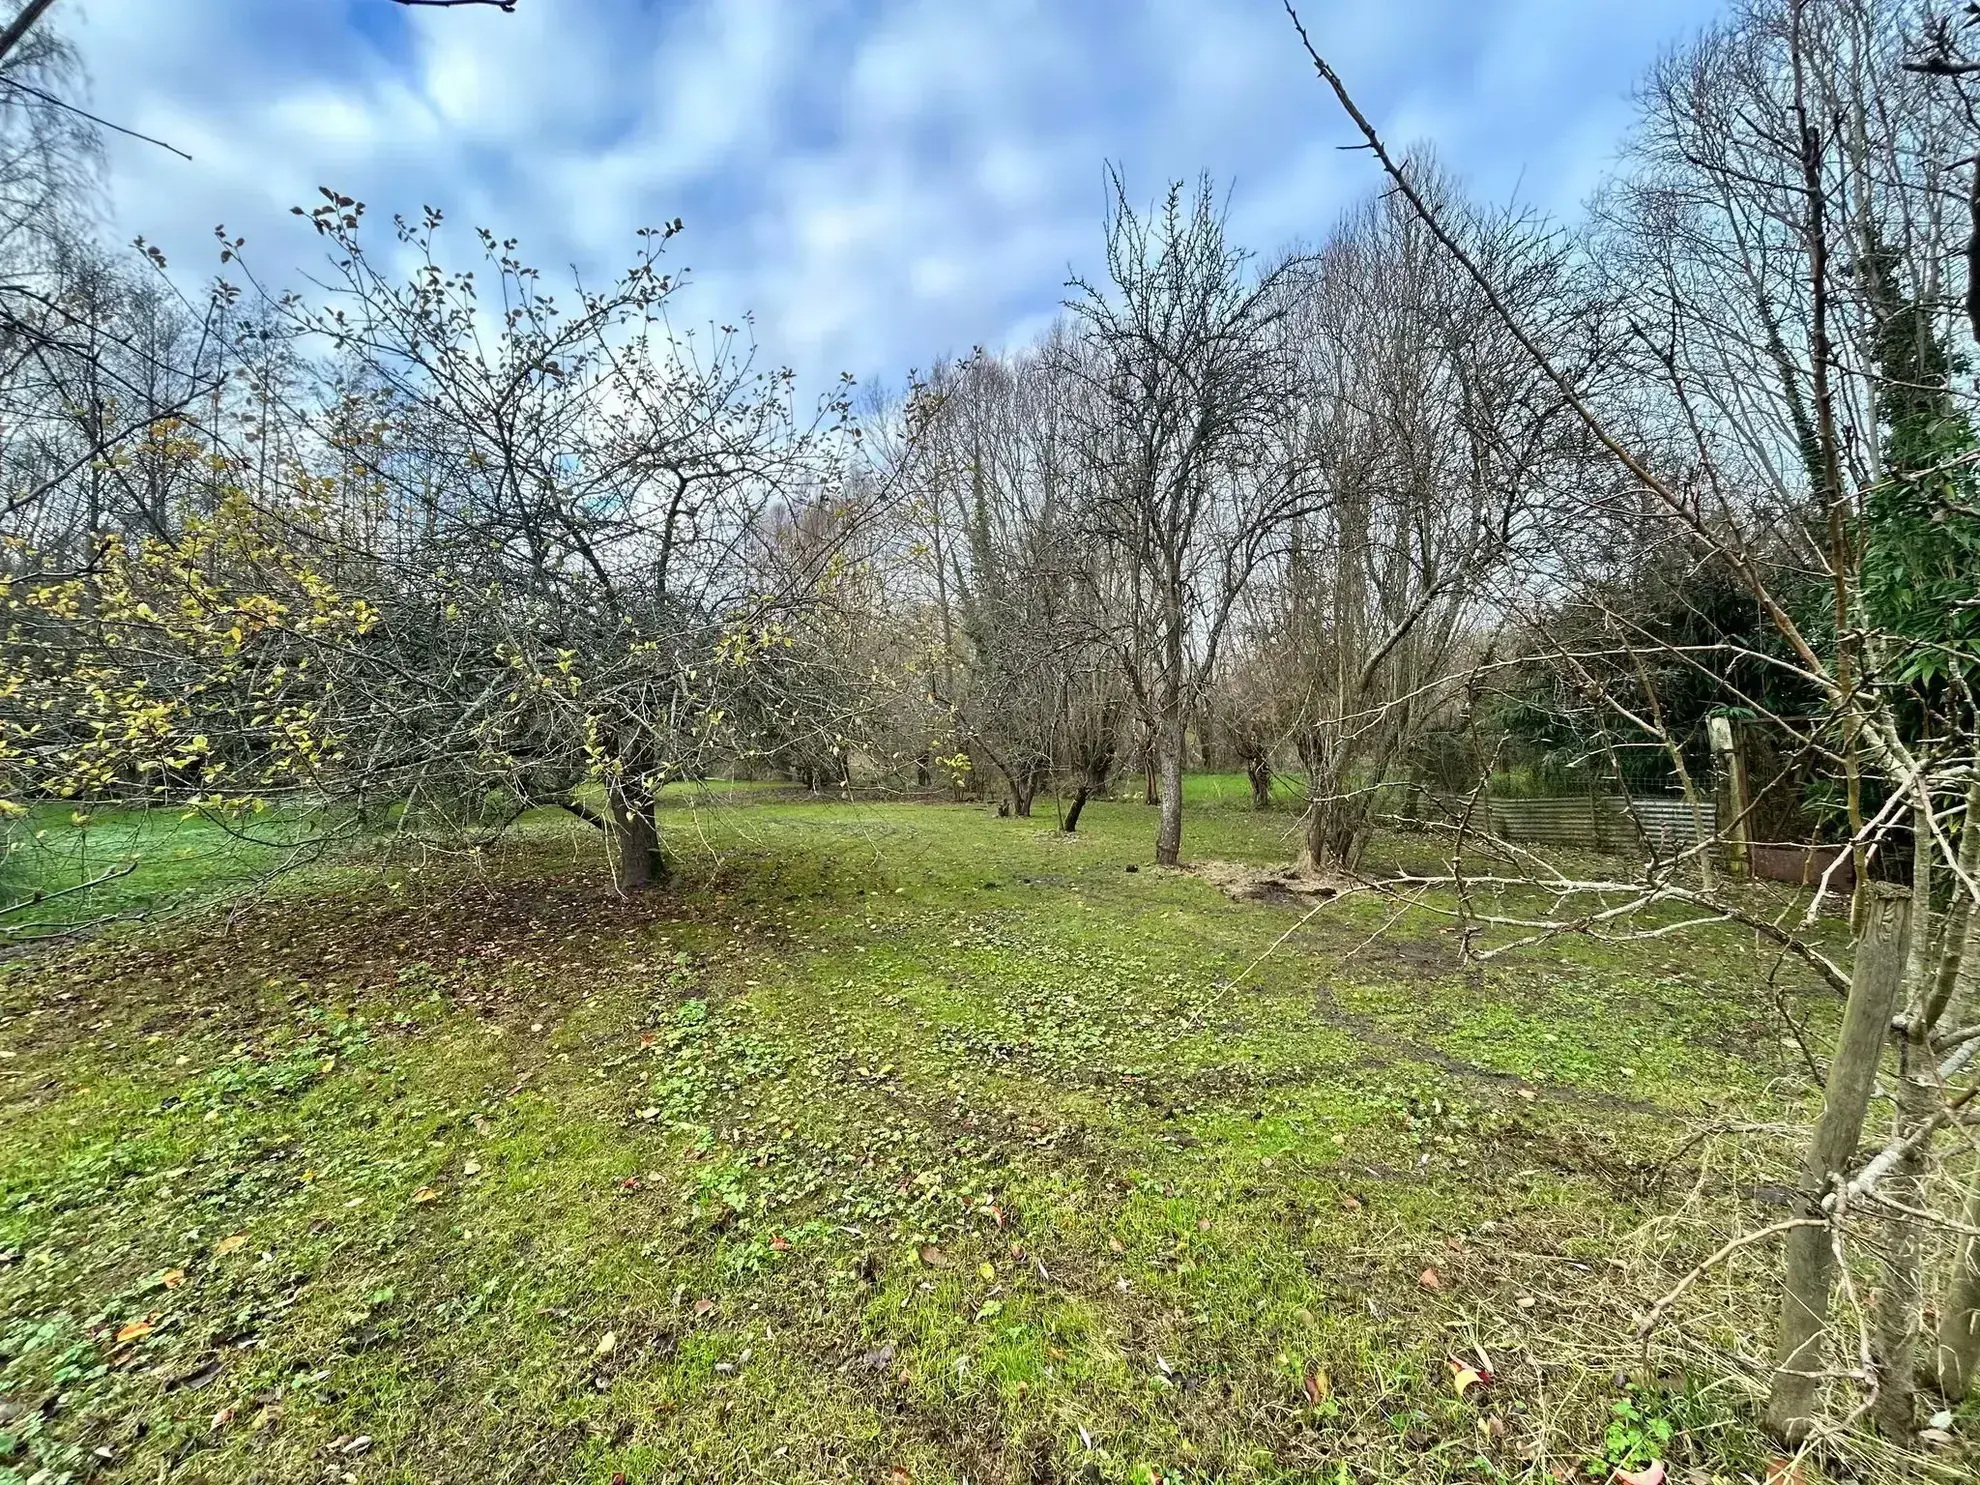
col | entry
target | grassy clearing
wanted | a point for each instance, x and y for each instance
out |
(891, 1142)
(63, 868)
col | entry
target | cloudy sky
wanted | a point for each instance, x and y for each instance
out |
(879, 181)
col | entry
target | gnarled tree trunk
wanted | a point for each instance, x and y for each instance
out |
(1336, 833)
(1258, 771)
(635, 835)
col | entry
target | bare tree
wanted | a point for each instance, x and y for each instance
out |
(1188, 367)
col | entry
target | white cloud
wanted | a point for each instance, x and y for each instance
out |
(882, 182)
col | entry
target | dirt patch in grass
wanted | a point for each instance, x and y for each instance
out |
(1287, 886)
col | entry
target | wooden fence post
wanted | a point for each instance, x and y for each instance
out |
(1874, 982)
(1732, 784)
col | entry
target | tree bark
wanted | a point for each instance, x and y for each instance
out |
(1336, 833)
(1900, 1304)
(1955, 1364)
(1259, 772)
(1168, 830)
(635, 839)
(1956, 1358)
(1875, 980)
(1071, 822)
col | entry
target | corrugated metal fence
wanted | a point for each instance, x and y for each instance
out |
(1600, 822)
(1663, 822)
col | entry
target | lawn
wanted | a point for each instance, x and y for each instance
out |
(890, 1142)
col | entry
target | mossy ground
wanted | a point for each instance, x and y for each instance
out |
(889, 1142)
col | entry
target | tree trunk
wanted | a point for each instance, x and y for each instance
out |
(1168, 831)
(1153, 793)
(1901, 1302)
(1336, 832)
(1956, 1359)
(1071, 822)
(1259, 772)
(1875, 980)
(635, 839)
(1412, 810)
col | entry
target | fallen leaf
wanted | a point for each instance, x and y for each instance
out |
(1319, 1387)
(1429, 1279)
(1934, 1436)
(424, 1195)
(136, 1330)
(222, 1418)
(933, 1256)
(607, 1343)
(1651, 1474)
(172, 1278)
(472, 1168)
(1350, 1201)
(897, 1476)
(704, 1307)
(779, 1243)
(1114, 1246)
(1463, 1378)
(988, 1270)
(879, 1358)
(232, 1244)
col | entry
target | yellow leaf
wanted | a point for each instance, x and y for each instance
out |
(173, 1278)
(228, 1245)
(424, 1195)
(136, 1330)
(989, 1270)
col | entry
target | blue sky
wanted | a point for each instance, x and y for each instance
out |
(879, 181)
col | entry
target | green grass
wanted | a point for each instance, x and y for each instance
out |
(140, 860)
(887, 1138)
